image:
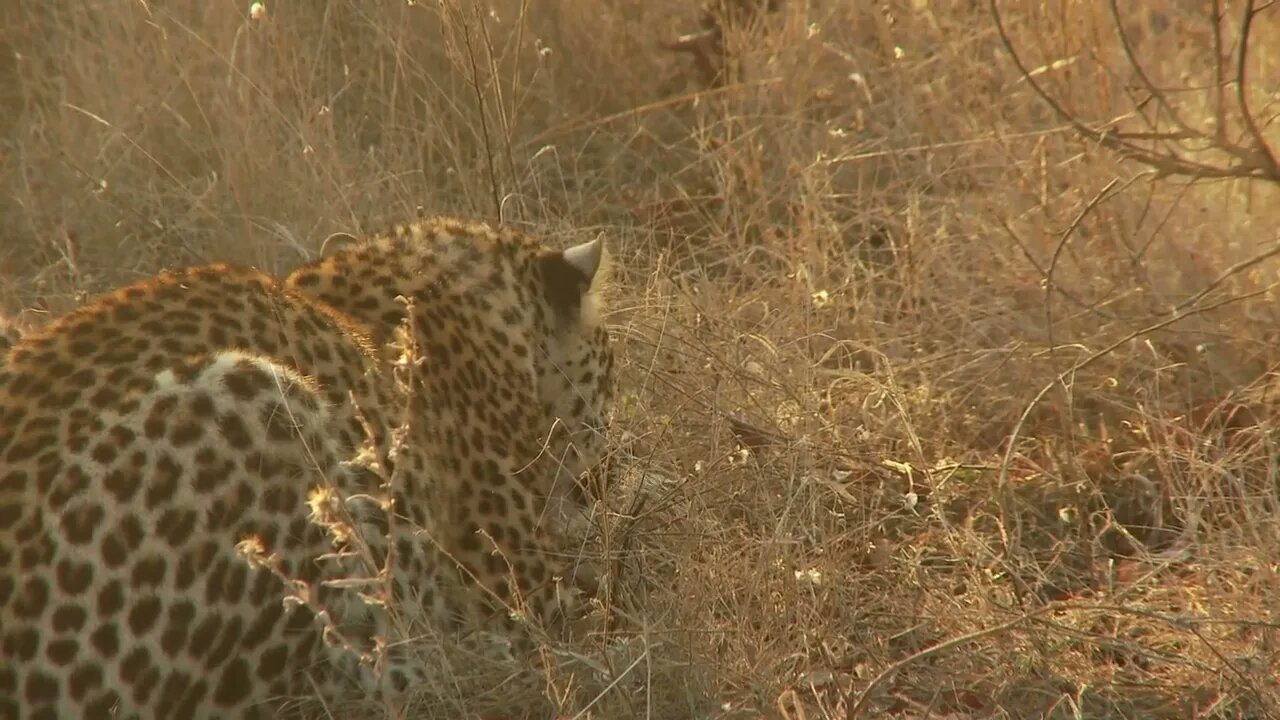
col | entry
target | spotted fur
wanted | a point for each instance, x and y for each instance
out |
(438, 388)
(10, 334)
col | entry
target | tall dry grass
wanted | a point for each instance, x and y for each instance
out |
(930, 407)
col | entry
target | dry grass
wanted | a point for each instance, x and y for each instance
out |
(931, 408)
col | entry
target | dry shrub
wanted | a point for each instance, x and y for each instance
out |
(931, 406)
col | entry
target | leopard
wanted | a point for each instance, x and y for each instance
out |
(205, 476)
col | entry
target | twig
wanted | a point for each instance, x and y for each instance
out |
(495, 187)
(865, 696)
(1091, 359)
(1228, 273)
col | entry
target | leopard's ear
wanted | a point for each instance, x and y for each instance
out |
(585, 258)
(570, 275)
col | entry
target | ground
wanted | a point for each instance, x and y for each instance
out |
(930, 404)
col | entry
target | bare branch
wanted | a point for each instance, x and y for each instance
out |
(1172, 152)
(1156, 94)
(1265, 158)
(1219, 74)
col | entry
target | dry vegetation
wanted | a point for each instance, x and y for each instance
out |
(937, 403)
